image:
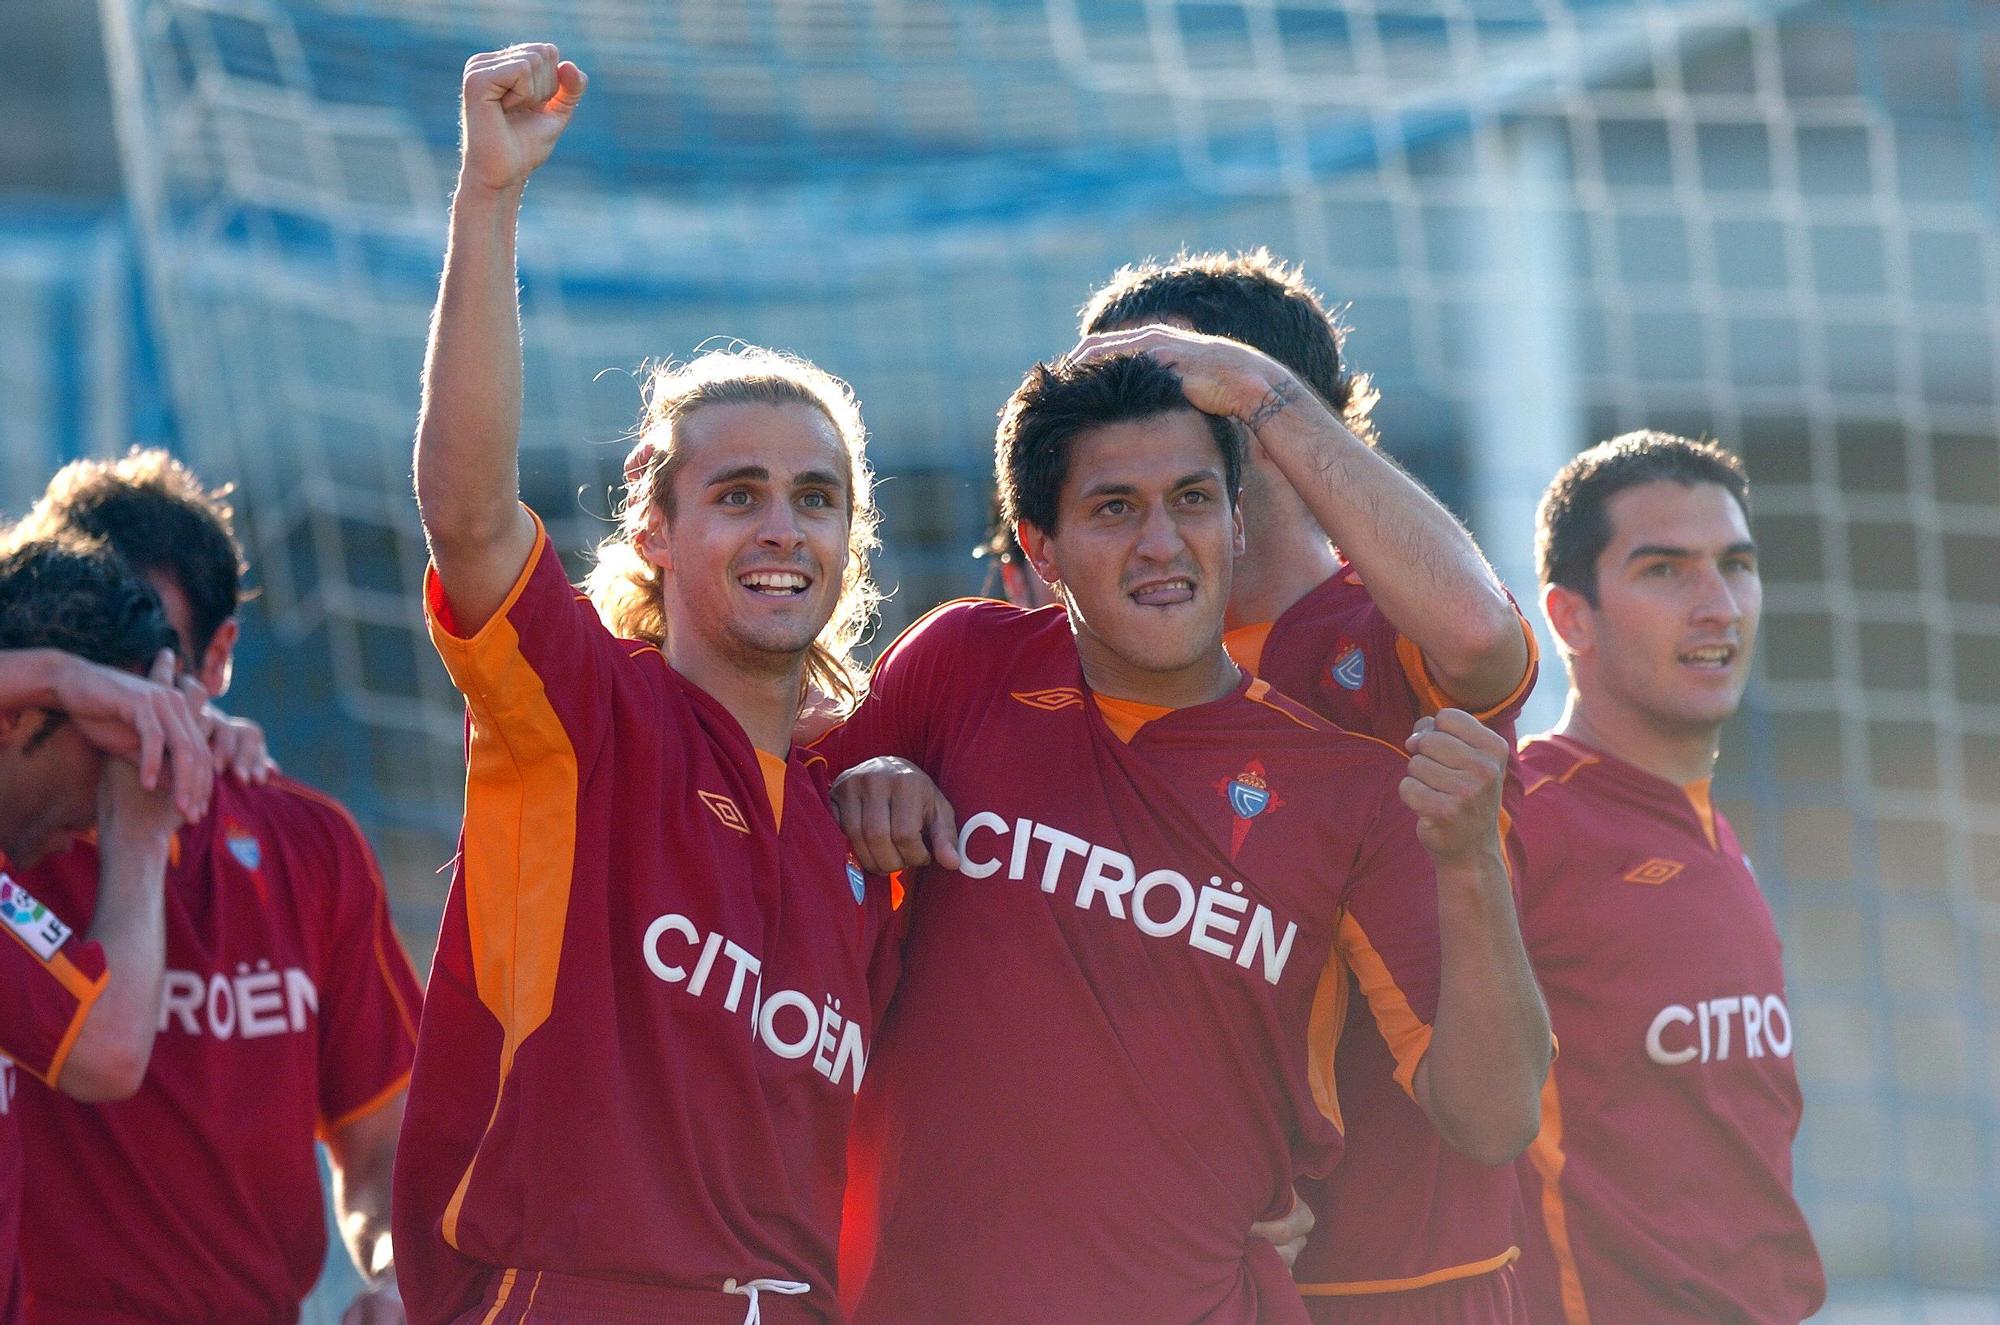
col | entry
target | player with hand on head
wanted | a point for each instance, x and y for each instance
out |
(1096, 1064)
(1360, 596)
(1660, 1188)
(657, 977)
(84, 740)
(275, 899)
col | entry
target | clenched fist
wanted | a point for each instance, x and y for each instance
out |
(1457, 765)
(517, 102)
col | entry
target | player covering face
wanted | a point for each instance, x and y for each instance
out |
(287, 1000)
(1659, 1188)
(1096, 1065)
(656, 944)
(83, 740)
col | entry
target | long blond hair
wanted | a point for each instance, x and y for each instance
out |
(626, 588)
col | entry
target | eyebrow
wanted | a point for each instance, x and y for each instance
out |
(760, 474)
(1127, 489)
(1645, 550)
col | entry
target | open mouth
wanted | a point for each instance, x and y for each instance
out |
(775, 583)
(1163, 593)
(1710, 657)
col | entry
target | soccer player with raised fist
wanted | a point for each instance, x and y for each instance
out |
(1095, 1076)
(1660, 1188)
(1360, 596)
(656, 984)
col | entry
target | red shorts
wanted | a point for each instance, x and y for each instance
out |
(1493, 1298)
(543, 1297)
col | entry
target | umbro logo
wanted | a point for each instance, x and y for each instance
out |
(1654, 872)
(725, 810)
(1050, 701)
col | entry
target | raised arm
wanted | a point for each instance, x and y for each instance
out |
(1420, 565)
(1480, 1081)
(134, 826)
(515, 105)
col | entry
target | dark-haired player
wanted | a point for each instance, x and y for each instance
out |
(82, 738)
(1660, 1188)
(290, 1010)
(1094, 1078)
(1401, 618)
(653, 1001)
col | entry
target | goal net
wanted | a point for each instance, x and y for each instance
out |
(1549, 221)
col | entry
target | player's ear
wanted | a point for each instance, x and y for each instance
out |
(1239, 543)
(214, 666)
(652, 542)
(1035, 546)
(1569, 616)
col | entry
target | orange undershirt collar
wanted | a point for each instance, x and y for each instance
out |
(1704, 809)
(774, 784)
(1246, 645)
(1126, 716)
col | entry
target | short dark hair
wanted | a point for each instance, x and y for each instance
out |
(1053, 405)
(67, 592)
(1572, 528)
(154, 512)
(1251, 297)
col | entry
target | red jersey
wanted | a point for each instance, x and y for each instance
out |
(49, 978)
(1095, 1074)
(288, 1010)
(1661, 1184)
(651, 1005)
(1403, 1213)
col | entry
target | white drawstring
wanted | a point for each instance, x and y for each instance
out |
(755, 1316)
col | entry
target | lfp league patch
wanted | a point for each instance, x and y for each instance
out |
(33, 923)
(856, 880)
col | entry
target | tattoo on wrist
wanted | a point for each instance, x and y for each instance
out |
(1275, 402)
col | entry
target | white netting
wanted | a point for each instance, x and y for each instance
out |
(1554, 221)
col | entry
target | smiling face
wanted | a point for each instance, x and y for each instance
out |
(1668, 644)
(754, 550)
(1141, 551)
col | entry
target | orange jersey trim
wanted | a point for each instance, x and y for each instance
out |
(520, 830)
(78, 986)
(1408, 1036)
(1704, 809)
(1328, 1017)
(86, 991)
(1582, 762)
(774, 785)
(1546, 1153)
(1356, 1287)
(500, 1298)
(1126, 717)
(376, 1102)
(1434, 697)
(1246, 644)
(382, 958)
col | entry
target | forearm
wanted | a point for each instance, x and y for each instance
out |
(467, 459)
(1481, 1079)
(363, 1164)
(28, 678)
(116, 1042)
(1420, 565)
